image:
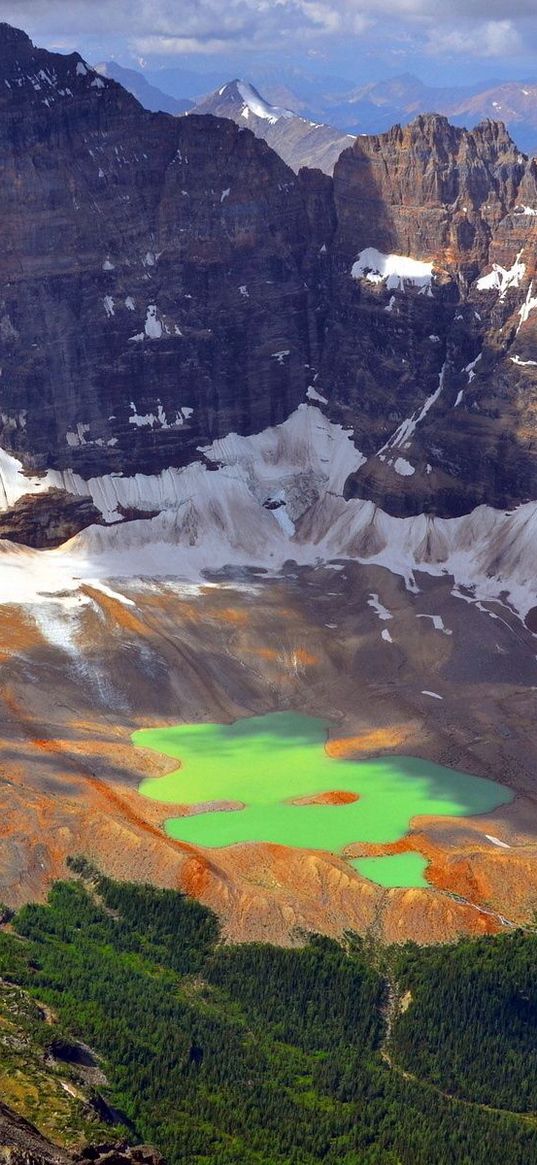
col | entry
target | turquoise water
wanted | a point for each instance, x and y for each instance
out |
(265, 762)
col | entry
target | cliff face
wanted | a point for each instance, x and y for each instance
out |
(164, 282)
(22, 1144)
(428, 363)
(151, 288)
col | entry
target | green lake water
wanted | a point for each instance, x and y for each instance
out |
(265, 762)
(394, 869)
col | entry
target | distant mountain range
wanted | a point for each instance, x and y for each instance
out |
(148, 95)
(331, 107)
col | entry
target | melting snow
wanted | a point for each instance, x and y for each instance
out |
(209, 519)
(403, 467)
(312, 394)
(496, 841)
(381, 611)
(153, 326)
(438, 623)
(395, 270)
(523, 363)
(407, 428)
(502, 279)
(470, 368)
(529, 305)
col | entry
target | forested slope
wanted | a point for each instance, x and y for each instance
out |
(264, 1056)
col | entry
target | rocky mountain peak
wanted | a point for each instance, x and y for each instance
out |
(13, 41)
(430, 189)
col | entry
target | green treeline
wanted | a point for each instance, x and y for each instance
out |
(472, 1025)
(254, 1055)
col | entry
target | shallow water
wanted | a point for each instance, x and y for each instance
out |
(265, 762)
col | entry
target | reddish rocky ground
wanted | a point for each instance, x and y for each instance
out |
(75, 685)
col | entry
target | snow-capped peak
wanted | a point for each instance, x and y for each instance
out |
(256, 104)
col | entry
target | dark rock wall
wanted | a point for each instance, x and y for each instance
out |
(166, 281)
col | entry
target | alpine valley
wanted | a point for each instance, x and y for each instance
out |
(268, 619)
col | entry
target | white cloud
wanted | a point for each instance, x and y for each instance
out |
(494, 38)
(481, 28)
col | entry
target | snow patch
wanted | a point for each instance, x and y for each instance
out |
(312, 394)
(496, 841)
(523, 363)
(501, 278)
(395, 270)
(403, 467)
(438, 623)
(260, 108)
(153, 326)
(380, 611)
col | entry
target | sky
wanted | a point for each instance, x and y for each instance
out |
(441, 41)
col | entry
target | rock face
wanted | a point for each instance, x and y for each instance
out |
(48, 519)
(297, 140)
(166, 281)
(22, 1144)
(152, 295)
(432, 372)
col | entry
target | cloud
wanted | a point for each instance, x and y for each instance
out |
(494, 38)
(479, 28)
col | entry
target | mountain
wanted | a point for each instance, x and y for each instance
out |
(298, 141)
(376, 106)
(148, 95)
(513, 103)
(267, 442)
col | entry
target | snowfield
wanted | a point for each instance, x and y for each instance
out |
(275, 497)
